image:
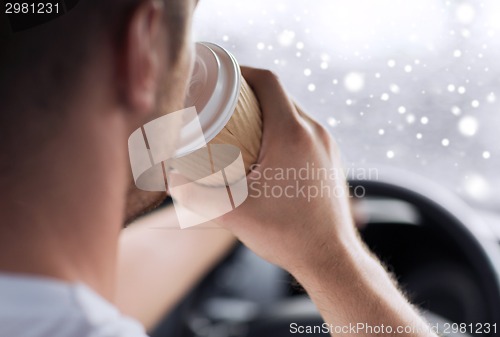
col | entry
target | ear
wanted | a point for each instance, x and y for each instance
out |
(143, 56)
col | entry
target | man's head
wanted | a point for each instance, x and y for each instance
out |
(83, 82)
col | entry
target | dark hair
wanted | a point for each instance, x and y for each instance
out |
(41, 67)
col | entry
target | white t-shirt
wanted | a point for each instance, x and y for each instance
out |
(43, 307)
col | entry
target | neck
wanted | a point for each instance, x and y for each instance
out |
(62, 214)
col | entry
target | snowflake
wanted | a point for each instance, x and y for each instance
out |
(354, 81)
(465, 13)
(394, 88)
(332, 122)
(468, 126)
(286, 37)
(456, 110)
(476, 186)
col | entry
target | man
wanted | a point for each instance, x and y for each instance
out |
(71, 92)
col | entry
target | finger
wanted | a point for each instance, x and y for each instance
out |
(303, 114)
(308, 118)
(276, 106)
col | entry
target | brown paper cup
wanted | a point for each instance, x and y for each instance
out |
(244, 131)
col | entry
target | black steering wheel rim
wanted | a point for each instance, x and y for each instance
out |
(461, 223)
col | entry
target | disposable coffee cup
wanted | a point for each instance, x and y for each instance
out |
(228, 112)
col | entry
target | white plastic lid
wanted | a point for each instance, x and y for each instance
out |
(213, 89)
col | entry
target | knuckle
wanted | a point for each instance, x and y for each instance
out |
(325, 136)
(268, 75)
(329, 142)
(302, 133)
(321, 137)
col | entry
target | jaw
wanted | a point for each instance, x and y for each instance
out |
(140, 202)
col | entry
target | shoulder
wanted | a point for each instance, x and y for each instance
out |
(100, 318)
(41, 307)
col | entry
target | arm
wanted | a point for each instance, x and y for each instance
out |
(158, 264)
(349, 286)
(314, 238)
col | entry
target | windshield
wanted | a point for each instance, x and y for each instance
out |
(408, 84)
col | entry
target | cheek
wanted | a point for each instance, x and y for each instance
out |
(176, 86)
(175, 80)
(189, 56)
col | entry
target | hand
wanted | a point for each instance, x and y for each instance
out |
(313, 235)
(292, 229)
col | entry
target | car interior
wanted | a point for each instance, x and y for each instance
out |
(408, 89)
(417, 230)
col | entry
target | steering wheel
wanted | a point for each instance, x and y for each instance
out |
(457, 222)
(207, 314)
